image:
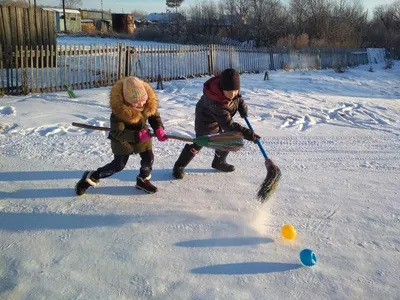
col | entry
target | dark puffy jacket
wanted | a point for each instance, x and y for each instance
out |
(214, 112)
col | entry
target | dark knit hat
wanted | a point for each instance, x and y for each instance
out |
(230, 80)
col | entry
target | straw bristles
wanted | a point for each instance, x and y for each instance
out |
(270, 182)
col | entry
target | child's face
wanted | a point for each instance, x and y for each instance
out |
(231, 94)
(139, 105)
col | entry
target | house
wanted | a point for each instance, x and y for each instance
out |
(73, 19)
(101, 20)
(96, 15)
(164, 18)
(88, 25)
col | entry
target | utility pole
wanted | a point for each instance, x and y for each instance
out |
(102, 17)
(65, 17)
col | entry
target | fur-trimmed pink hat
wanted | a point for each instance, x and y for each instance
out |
(134, 91)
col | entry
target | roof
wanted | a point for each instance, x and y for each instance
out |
(163, 17)
(60, 10)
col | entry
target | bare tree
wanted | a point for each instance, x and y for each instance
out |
(384, 30)
(174, 4)
(140, 14)
(268, 18)
(312, 16)
(389, 15)
(240, 8)
(238, 12)
(71, 3)
(204, 19)
(329, 22)
(351, 20)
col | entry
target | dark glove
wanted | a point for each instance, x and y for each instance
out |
(255, 137)
(250, 136)
(242, 111)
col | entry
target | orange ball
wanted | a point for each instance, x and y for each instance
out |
(288, 232)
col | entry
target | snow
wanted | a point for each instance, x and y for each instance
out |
(64, 40)
(376, 55)
(334, 136)
(61, 10)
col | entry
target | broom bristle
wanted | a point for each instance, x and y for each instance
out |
(228, 141)
(270, 183)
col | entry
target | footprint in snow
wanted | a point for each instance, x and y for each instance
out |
(7, 111)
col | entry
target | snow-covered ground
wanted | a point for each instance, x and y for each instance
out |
(334, 136)
(88, 40)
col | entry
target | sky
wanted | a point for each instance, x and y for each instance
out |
(159, 5)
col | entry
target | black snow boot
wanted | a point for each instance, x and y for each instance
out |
(145, 185)
(85, 182)
(187, 154)
(219, 163)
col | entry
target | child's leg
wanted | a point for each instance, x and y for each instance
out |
(91, 178)
(186, 156)
(220, 163)
(117, 165)
(146, 166)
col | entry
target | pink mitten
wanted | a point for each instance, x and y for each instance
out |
(144, 135)
(161, 136)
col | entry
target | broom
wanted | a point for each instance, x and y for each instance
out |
(274, 174)
(227, 141)
(70, 92)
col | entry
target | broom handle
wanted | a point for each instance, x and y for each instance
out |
(257, 140)
(174, 137)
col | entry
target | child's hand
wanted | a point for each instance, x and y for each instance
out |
(161, 136)
(144, 135)
(255, 137)
(251, 136)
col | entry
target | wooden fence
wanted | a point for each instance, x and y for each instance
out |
(26, 27)
(49, 68)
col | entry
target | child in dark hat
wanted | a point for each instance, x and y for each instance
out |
(133, 102)
(214, 113)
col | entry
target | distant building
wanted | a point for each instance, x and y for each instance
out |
(96, 20)
(88, 25)
(103, 25)
(73, 19)
(164, 18)
(96, 14)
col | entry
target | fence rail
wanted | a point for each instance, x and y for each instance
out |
(27, 27)
(27, 69)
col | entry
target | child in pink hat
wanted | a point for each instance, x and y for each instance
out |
(133, 103)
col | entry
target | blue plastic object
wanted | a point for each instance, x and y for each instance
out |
(258, 140)
(308, 257)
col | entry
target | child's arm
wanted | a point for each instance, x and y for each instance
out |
(242, 109)
(157, 125)
(155, 121)
(224, 120)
